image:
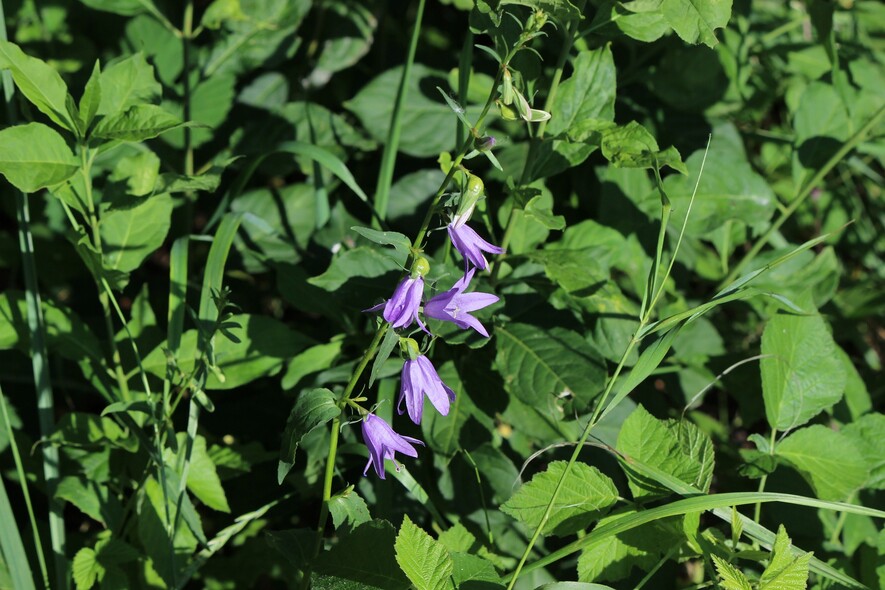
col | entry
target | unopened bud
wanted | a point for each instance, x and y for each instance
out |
(409, 347)
(484, 144)
(536, 21)
(472, 193)
(507, 87)
(420, 267)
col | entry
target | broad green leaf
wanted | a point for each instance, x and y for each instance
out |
(868, 435)
(211, 101)
(312, 409)
(126, 83)
(357, 24)
(822, 123)
(801, 372)
(457, 539)
(424, 560)
(34, 156)
(91, 498)
(202, 477)
(400, 242)
(264, 346)
(38, 82)
(131, 235)
(348, 509)
(361, 262)
(730, 577)
(222, 10)
(632, 146)
(538, 365)
(86, 569)
(296, 545)
(91, 99)
(122, 7)
(828, 459)
(584, 497)
(696, 21)
(678, 448)
(427, 122)
(153, 527)
(473, 571)
(89, 430)
(314, 359)
(139, 172)
(573, 586)
(497, 470)
(588, 94)
(362, 559)
(137, 123)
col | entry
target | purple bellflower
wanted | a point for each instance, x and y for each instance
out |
(455, 305)
(419, 377)
(383, 442)
(470, 245)
(402, 309)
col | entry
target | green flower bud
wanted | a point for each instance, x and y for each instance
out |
(420, 267)
(507, 87)
(469, 197)
(409, 348)
(484, 144)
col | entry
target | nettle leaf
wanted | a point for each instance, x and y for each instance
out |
(827, 459)
(424, 560)
(38, 82)
(348, 509)
(137, 123)
(34, 156)
(312, 409)
(802, 374)
(784, 572)
(678, 448)
(632, 146)
(537, 364)
(584, 497)
(868, 435)
(362, 559)
(730, 577)
(696, 21)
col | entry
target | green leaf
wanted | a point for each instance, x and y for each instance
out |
(696, 21)
(801, 372)
(312, 409)
(573, 586)
(348, 509)
(362, 559)
(473, 571)
(589, 94)
(868, 435)
(202, 477)
(400, 242)
(91, 99)
(314, 359)
(131, 235)
(632, 146)
(34, 156)
(211, 101)
(390, 341)
(443, 433)
(457, 539)
(584, 497)
(678, 448)
(38, 82)
(537, 364)
(730, 577)
(91, 498)
(137, 123)
(784, 572)
(424, 560)
(126, 83)
(822, 123)
(86, 569)
(360, 262)
(829, 460)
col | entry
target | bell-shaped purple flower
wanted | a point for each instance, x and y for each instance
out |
(402, 309)
(470, 245)
(455, 305)
(383, 442)
(419, 377)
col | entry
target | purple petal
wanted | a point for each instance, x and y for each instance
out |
(475, 301)
(468, 320)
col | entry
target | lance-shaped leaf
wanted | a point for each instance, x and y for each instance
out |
(40, 84)
(313, 408)
(34, 156)
(137, 123)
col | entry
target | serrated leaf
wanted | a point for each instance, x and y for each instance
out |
(348, 509)
(34, 156)
(632, 146)
(312, 409)
(363, 559)
(424, 560)
(137, 123)
(801, 372)
(868, 435)
(90, 498)
(584, 497)
(829, 460)
(784, 572)
(696, 21)
(85, 568)
(537, 364)
(127, 82)
(38, 82)
(730, 577)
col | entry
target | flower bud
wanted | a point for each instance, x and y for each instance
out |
(420, 267)
(409, 348)
(469, 197)
(507, 87)
(536, 22)
(484, 144)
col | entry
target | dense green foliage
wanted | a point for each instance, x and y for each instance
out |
(681, 384)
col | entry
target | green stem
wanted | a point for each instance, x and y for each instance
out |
(186, 39)
(388, 159)
(803, 194)
(39, 363)
(757, 511)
